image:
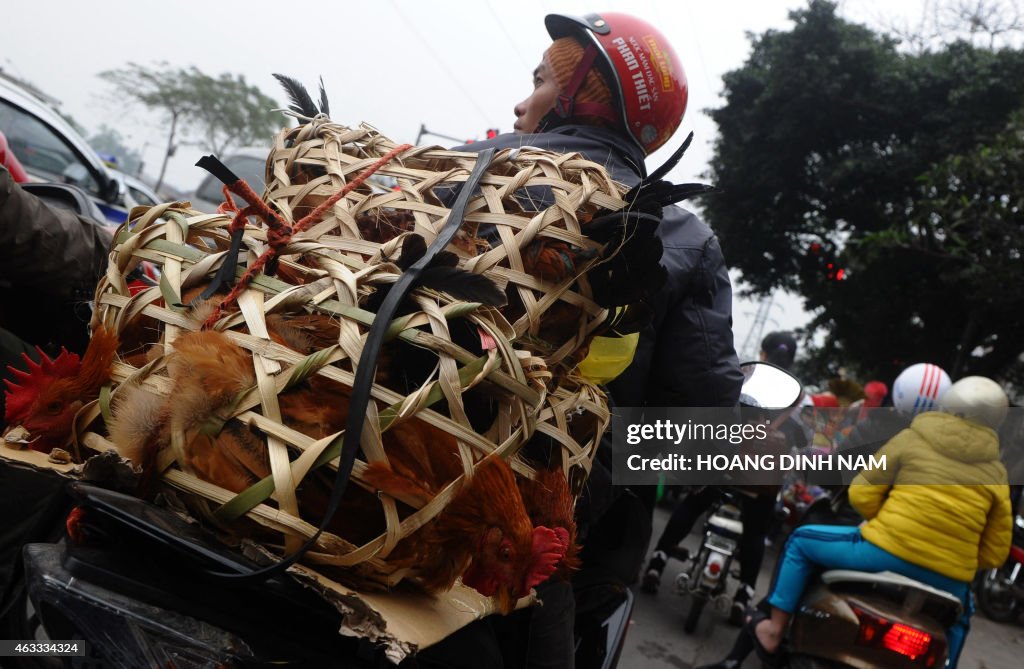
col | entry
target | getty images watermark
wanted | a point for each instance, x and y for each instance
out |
(715, 446)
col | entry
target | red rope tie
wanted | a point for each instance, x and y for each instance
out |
(279, 234)
(314, 216)
(228, 206)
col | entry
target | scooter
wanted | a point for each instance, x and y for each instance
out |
(1000, 592)
(881, 620)
(865, 620)
(130, 585)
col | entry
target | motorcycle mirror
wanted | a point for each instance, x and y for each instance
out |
(768, 386)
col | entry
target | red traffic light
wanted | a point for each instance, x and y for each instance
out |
(492, 133)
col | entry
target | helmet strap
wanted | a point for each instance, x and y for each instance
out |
(565, 104)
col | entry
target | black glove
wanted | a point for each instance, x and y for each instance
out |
(630, 269)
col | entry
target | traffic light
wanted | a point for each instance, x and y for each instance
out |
(492, 133)
(835, 273)
(824, 260)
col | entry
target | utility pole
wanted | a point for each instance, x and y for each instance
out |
(424, 131)
(751, 345)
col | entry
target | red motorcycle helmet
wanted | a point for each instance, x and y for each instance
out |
(641, 68)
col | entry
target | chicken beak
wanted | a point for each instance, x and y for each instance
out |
(506, 601)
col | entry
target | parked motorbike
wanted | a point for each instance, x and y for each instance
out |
(1000, 592)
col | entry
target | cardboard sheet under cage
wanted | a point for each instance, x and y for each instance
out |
(402, 621)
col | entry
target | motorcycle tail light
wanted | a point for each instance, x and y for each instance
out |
(908, 641)
(1017, 554)
(714, 566)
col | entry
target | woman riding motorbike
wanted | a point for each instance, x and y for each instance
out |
(937, 512)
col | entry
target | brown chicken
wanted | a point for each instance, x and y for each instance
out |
(550, 503)
(45, 399)
(484, 534)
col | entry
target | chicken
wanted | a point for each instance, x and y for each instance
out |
(484, 533)
(550, 503)
(45, 399)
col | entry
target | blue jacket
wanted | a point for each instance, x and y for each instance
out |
(685, 356)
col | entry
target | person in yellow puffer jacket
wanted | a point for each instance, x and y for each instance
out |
(953, 529)
(939, 511)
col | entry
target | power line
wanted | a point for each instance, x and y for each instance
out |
(451, 75)
(501, 24)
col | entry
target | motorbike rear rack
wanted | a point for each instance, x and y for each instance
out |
(914, 595)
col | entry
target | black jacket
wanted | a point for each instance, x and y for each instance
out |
(685, 356)
(50, 260)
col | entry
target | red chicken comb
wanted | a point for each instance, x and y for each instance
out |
(22, 392)
(549, 546)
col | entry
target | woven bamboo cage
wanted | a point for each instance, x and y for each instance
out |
(529, 347)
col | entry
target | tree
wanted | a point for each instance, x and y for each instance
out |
(108, 140)
(215, 113)
(830, 164)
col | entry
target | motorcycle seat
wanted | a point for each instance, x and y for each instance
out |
(941, 604)
(726, 526)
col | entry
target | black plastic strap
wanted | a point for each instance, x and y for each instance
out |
(367, 367)
(225, 275)
(218, 169)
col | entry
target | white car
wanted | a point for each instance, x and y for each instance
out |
(51, 150)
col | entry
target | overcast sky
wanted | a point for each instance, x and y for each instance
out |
(456, 68)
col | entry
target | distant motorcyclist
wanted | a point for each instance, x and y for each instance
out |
(778, 348)
(917, 390)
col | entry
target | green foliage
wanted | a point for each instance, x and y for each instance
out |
(109, 140)
(216, 113)
(835, 147)
(220, 112)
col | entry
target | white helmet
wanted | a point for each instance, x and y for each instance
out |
(978, 399)
(918, 388)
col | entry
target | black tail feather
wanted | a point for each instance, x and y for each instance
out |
(325, 109)
(664, 193)
(672, 161)
(413, 248)
(299, 96)
(463, 285)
